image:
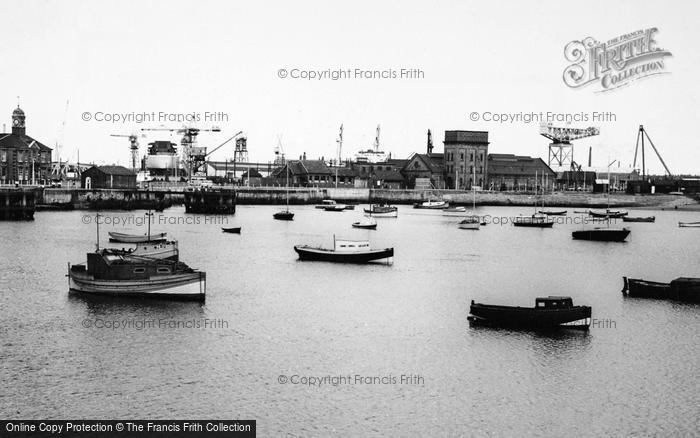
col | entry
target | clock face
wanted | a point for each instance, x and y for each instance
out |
(15, 122)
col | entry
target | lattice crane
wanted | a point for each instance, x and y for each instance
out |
(561, 151)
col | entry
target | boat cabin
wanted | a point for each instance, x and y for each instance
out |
(107, 265)
(554, 303)
(351, 245)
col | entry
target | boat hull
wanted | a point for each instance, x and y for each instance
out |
(638, 219)
(553, 212)
(533, 224)
(186, 286)
(689, 224)
(136, 238)
(234, 230)
(530, 318)
(394, 213)
(680, 289)
(602, 235)
(364, 226)
(326, 255)
(284, 216)
(432, 205)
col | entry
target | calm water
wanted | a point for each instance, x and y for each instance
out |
(285, 317)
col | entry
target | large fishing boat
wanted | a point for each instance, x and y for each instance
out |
(344, 251)
(548, 313)
(113, 273)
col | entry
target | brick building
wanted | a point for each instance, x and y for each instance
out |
(23, 160)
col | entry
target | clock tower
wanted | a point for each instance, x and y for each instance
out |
(18, 127)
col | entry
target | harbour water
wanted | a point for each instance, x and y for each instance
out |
(272, 322)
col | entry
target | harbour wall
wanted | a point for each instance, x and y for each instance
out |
(83, 198)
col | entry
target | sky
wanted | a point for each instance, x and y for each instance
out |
(67, 58)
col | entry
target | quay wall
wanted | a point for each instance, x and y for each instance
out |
(83, 198)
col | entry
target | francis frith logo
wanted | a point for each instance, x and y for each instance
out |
(616, 62)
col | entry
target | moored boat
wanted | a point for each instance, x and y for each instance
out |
(612, 214)
(689, 224)
(284, 215)
(383, 210)
(549, 313)
(233, 230)
(166, 250)
(136, 238)
(336, 207)
(432, 205)
(110, 273)
(639, 219)
(454, 211)
(367, 223)
(326, 203)
(602, 234)
(470, 223)
(534, 221)
(553, 212)
(680, 289)
(344, 251)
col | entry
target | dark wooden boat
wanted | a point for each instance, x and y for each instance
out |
(602, 234)
(285, 215)
(553, 212)
(549, 313)
(344, 251)
(639, 219)
(235, 230)
(612, 214)
(136, 238)
(111, 273)
(680, 289)
(534, 221)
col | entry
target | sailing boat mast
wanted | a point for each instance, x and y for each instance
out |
(287, 183)
(97, 223)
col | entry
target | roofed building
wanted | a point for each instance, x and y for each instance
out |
(517, 172)
(305, 173)
(425, 171)
(108, 177)
(23, 160)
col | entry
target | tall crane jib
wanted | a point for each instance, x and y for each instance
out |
(561, 151)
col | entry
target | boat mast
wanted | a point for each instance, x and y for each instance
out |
(287, 187)
(473, 190)
(97, 224)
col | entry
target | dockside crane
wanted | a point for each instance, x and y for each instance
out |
(641, 134)
(279, 153)
(561, 151)
(133, 147)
